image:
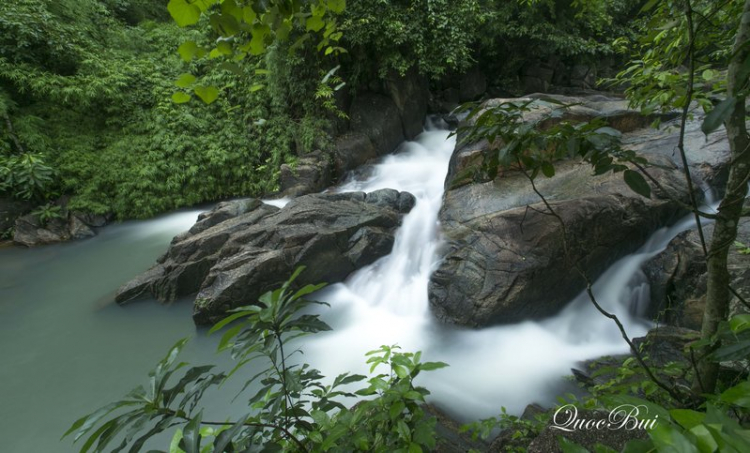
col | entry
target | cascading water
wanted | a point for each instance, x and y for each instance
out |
(504, 366)
(68, 350)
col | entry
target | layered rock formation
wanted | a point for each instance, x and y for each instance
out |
(244, 248)
(507, 260)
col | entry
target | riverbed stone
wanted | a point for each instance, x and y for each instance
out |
(505, 258)
(30, 231)
(235, 260)
(678, 277)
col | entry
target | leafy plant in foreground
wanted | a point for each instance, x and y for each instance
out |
(293, 408)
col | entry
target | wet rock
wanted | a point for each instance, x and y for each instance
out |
(31, 232)
(93, 220)
(678, 277)
(78, 229)
(410, 94)
(505, 257)
(450, 439)
(235, 260)
(311, 174)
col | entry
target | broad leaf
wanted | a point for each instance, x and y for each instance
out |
(718, 115)
(637, 183)
(185, 80)
(183, 12)
(207, 94)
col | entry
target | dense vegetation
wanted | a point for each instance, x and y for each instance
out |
(86, 88)
(87, 96)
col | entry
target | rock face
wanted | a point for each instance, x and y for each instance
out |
(244, 248)
(10, 210)
(677, 277)
(379, 122)
(311, 174)
(505, 260)
(32, 232)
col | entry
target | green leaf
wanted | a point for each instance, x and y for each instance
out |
(706, 441)
(403, 430)
(718, 115)
(228, 320)
(191, 437)
(396, 409)
(315, 23)
(183, 12)
(414, 448)
(548, 169)
(739, 395)
(180, 97)
(687, 418)
(733, 351)
(739, 323)
(337, 6)
(188, 50)
(429, 366)
(401, 371)
(668, 439)
(207, 94)
(637, 183)
(224, 24)
(185, 80)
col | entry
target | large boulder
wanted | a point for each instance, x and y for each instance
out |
(410, 94)
(312, 173)
(376, 130)
(678, 277)
(31, 231)
(244, 248)
(506, 258)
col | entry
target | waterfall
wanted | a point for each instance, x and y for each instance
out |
(504, 366)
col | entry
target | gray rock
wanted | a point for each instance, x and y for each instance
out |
(78, 229)
(311, 174)
(410, 94)
(237, 259)
(678, 277)
(505, 257)
(378, 118)
(352, 150)
(93, 220)
(30, 231)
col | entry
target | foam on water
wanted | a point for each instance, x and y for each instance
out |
(510, 366)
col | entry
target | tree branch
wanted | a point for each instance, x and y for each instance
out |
(679, 397)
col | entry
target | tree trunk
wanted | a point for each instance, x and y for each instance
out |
(730, 209)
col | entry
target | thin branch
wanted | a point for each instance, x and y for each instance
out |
(288, 434)
(589, 291)
(683, 121)
(675, 200)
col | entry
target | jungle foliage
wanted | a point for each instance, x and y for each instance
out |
(94, 93)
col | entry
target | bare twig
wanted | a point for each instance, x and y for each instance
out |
(672, 391)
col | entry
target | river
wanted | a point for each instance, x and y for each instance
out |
(66, 349)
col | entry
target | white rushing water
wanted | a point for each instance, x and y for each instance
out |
(67, 349)
(505, 366)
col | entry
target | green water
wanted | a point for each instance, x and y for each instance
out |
(65, 347)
